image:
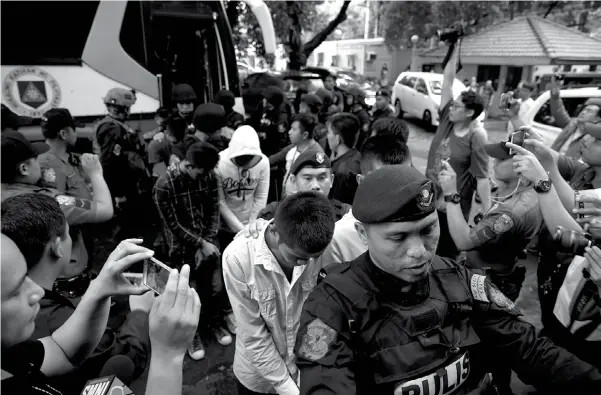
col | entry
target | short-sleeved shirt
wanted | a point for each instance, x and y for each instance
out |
(25, 363)
(504, 232)
(66, 176)
(465, 154)
(345, 169)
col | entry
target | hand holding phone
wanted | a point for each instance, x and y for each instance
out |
(517, 138)
(156, 275)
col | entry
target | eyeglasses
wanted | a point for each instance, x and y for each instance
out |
(455, 105)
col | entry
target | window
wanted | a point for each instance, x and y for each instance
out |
(421, 85)
(573, 105)
(320, 59)
(335, 60)
(45, 33)
(408, 81)
(351, 61)
(436, 87)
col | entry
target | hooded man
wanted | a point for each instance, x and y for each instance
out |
(243, 173)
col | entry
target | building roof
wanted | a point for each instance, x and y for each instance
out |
(525, 40)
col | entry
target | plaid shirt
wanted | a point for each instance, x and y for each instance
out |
(189, 210)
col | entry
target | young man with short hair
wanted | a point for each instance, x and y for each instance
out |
(268, 279)
(38, 227)
(343, 130)
(187, 198)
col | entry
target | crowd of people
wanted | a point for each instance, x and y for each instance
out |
(304, 234)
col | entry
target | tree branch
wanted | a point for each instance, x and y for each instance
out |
(553, 5)
(320, 37)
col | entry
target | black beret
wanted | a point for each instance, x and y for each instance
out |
(384, 92)
(395, 193)
(209, 117)
(310, 159)
(311, 99)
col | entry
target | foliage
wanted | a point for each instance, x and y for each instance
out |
(403, 19)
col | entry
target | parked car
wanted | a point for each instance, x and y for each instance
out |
(539, 116)
(418, 94)
(347, 77)
(572, 79)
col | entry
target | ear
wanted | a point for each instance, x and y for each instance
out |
(23, 169)
(292, 178)
(62, 134)
(305, 135)
(469, 113)
(359, 178)
(56, 248)
(360, 228)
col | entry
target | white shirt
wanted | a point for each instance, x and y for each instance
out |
(346, 245)
(267, 308)
(525, 106)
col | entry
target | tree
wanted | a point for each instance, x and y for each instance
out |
(292, 20)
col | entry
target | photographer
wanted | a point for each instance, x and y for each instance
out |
(29, 363)
(569, 141)
(569, 298)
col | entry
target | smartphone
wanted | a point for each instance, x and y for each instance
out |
(155, 275)
(517, 138)
(577, 204)
(134, 278)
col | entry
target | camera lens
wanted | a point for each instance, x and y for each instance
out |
(570, 241)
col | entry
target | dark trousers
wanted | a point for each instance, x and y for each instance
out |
(242, 390)
(207, 279)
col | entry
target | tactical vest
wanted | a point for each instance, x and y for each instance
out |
(426, 349)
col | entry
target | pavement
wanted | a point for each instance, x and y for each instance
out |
(214, 376)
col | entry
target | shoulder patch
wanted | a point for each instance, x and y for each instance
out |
(503, 223)
(65, 200)
(500, 300)
(478, 287)
(316, 340)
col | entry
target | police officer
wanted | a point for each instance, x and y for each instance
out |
(121, 154)
(311, 171)
(382, 108)
(500, 236)
(400, 320)
(21, 173)
(329, 83)
(184, 97)
(355, 104)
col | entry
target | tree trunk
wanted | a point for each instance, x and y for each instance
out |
(298, 53)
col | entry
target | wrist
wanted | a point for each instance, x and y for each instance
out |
(166, 359)
(97, 291)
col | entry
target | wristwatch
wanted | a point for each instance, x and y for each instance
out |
(454, 198)
(543, 186)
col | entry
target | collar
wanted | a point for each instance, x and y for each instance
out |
(390, 286)
(64, 158)
(263, 255)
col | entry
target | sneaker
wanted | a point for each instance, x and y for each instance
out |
(196, 349)
(223, 336)
(230, 322)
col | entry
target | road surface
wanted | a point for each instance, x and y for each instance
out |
(213, 375)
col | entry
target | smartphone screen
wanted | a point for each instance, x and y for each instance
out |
(517, 138)
(156, 275)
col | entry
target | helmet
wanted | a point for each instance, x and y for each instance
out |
(183, 93)
(120, 97)
(355, 91)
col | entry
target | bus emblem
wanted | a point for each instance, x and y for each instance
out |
(30, 91)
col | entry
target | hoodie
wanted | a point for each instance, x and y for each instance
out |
(243, 189)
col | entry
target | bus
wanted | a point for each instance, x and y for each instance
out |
(69, 54)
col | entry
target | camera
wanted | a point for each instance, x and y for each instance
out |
(573, 242)
(452, 34)
(507, 100)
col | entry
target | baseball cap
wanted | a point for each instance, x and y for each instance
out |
(56, 119)
(498, 150)
(13, 121)
(16, 149)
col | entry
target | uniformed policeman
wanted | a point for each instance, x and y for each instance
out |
(400, 320)
(61, 169)
(382, 108)
(499, 238)
(21, 173)
(355, 104)
(311, 171)
(121, 154)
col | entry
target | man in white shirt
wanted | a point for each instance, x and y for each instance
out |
(525, 92)
(268, 280)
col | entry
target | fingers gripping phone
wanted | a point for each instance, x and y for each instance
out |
(155, 275)
(517, 138)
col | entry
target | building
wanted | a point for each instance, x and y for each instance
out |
(365, 56)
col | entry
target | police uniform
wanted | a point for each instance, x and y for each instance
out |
(314, 160)
(361, 333)
(184, 93)
(503, 233)
(387, 112)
